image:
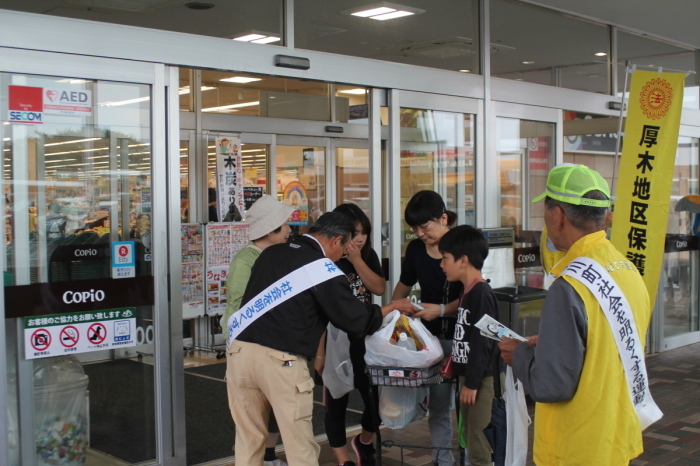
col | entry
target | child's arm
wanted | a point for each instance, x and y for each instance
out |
(373, 281)
(467, 396)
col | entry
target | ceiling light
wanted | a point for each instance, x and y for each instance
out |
(71, 142)
(240, 79)
(465, 71)
(257, 37)
(354, 91)
(226, 107)
(383, 11)
(186, 89)
(266, 40)
(392, 15)
(600, 54)
(72, 81)
(249, 37)
(528, 62)
(373, 12)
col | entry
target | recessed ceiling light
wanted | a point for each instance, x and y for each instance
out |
(354, 91)
(257, 37)
(465, 71)
(527, 62)
(383, 11)
(227, 107)
(600, 54)
(373, 12)
(240, 80)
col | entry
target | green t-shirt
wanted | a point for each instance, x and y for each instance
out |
(238, 276)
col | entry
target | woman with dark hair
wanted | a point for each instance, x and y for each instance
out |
(429, 219)
(364, 271)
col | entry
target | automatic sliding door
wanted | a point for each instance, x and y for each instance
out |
(80, 320)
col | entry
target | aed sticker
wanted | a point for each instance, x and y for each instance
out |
(66, 101)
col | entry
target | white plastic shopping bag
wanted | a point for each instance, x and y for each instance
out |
(382, 353)
(337, 370)
(517, 421)
(399, 406)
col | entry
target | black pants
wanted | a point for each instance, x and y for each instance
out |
(336, 408)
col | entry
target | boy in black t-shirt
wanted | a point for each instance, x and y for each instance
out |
(464, 250)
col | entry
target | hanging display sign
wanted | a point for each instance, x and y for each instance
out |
(25, 104)
(229, 174)
(251, 194)
(646, 171)
(223, 241)
(192, 239)
(295, 196)
(79, 332)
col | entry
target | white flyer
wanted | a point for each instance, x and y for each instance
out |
(491, 328)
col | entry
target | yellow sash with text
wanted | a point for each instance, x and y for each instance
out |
(646, 169)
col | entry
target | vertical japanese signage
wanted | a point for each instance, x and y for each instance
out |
(223, 241)
(646, 171)
(229, 174)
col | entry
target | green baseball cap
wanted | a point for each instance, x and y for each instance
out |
(568, 183)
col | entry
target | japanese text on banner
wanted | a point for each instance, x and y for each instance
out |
(646, 171)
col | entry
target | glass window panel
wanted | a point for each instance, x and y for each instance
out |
(680, 269)
(73, 185)
(438, 153)
(354, 99)
(640, 50)
(229, 19)
(352, 174)
(268, 96)
(301, 183)
(542, 46)
(591, 140)
(438, 35)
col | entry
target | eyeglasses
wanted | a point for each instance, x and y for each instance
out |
(421, 227)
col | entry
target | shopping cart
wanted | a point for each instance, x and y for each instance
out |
(409, 377)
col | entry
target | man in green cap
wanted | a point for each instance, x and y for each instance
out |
(586, 368)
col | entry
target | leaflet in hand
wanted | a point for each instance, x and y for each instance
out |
(491, 328)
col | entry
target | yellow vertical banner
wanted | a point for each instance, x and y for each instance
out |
(645, 175)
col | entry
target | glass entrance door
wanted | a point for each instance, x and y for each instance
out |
(84, 236)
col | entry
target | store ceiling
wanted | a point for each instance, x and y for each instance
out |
(321, 25)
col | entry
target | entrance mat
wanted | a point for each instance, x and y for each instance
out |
(122, 412)
(122, 409)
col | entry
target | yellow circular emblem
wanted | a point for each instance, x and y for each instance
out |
(655, 98)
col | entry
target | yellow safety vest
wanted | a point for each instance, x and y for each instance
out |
(598, 426)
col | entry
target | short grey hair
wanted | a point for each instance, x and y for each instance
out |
(333, 224)
(587, 219)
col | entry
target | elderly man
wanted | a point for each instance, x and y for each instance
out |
(586, 368)
(294, 290)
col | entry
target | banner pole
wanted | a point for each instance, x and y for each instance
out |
(616, 158)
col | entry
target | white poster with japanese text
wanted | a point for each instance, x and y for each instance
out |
(223, 241)
(229, 175)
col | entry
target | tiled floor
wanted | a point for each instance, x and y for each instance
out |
(675, 439)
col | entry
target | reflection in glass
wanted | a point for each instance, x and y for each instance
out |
(80, 181)
(648, 52)
(352, 176)
(680, 269)
(437, 153)
(562, 51)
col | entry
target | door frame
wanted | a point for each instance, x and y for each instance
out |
(168, 379)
